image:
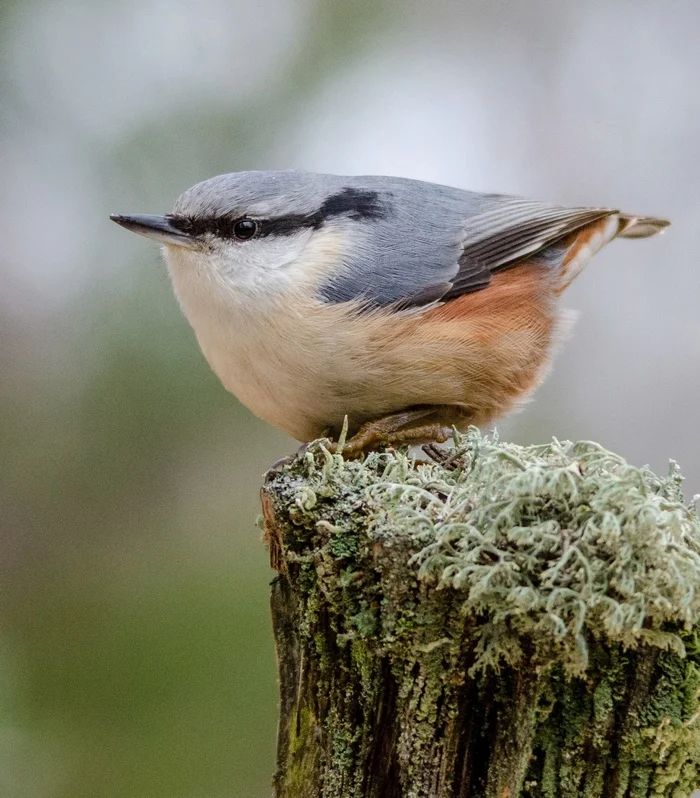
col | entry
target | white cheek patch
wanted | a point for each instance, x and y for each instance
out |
(261, 271)
(261, 266)
(300, 262)
(268, 254)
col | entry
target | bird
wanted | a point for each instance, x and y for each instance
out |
(387, 308)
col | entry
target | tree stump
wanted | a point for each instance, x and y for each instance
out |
(508, 622)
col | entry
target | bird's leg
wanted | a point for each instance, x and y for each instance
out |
(396, 429)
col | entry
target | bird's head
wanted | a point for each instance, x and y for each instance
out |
(248, 231)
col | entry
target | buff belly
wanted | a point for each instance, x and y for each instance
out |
(474, 357)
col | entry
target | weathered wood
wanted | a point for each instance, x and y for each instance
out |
(512, 623)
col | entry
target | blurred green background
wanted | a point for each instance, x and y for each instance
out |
(136, 654)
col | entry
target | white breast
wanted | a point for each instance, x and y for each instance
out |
(272, 345)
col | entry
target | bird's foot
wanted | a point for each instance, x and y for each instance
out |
(408, 427)
(393, 430)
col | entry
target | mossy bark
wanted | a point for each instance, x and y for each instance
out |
(396, 684)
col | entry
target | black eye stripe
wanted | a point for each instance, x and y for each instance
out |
(219, 226)
(352, 203)
(225, 226)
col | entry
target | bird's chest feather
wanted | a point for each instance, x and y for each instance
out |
(277, 357)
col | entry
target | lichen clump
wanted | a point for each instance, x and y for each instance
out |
(553, 543)
(541, 602)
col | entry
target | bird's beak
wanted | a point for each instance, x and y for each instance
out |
(159, 228)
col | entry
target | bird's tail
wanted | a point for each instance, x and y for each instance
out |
(584, 243)
(640, 226)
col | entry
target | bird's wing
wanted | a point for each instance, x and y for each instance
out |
(510, 231)
(434, 244)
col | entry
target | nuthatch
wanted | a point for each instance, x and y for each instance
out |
(406, 306)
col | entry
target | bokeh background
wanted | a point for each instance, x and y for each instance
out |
(136, 654)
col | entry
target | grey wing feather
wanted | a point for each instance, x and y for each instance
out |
(528, 228)
(514, 231)
(433, 243)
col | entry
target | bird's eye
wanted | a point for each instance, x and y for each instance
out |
(244, 229)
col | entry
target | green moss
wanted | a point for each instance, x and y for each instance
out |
(557, 579)
(301, 756)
